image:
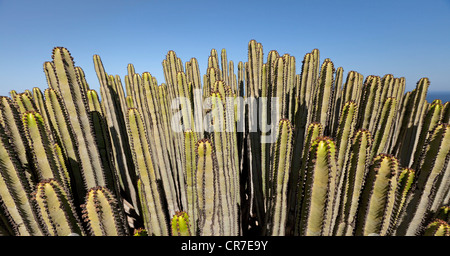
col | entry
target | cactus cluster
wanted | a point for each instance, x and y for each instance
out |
(273, 149)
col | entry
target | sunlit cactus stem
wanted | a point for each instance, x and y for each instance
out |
(378, 197)
(320, 189)
(103, 214)
(180, 224)
(278, 180)
(57, 209)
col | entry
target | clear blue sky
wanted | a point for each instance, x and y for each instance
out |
(403, 38)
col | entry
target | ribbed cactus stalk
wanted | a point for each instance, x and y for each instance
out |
(102, 139)
(115, 107)
(316, 214)
(57, 209)
(39, 102)
(314, 131)
(431, 119)
(405, 182)
(180, 224)
(347, 124)
(11, 120)
(42, 147)
(384, 127)
(209, 217)
(63, 133)
(432, 182)
(24, 102)
(76, 110)
(437, 228)
(355, 176)
(15, 192)
(151, 201)
(414, 112)
(445, 116)
(278, 180)
(324, 93)
(103, 214)
(378, 197)
(190, 141)
(225, 152)
(369, 103)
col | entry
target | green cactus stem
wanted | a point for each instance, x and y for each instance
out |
(180, 224)
(278, 180)
(56, 208)
(151, 200)
(103, 213)
(437, 228)
(378, 197)
(431, 184)
(320, 189)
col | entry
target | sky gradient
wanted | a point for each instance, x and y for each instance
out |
(403, 38)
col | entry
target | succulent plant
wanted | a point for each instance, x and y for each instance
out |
(262, 150)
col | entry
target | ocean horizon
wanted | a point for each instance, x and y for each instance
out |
(442, 95)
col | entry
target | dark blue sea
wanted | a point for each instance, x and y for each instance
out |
(442, 95)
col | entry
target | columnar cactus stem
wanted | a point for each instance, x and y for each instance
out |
(320, 189)
(358, 162)
(41, 145)
(62, 129)
(405, 182)
(324, 93)
(432, 181)
(76, 109)
(280, 169)
(437, 228)
(15, 192)
(430, 121)
(114, 105)
(56, 208)
(180, 224)
(103, 214)
(378, 197)
(369, 102)
(150, 196)
(190, 141)
(208, 193)
(384, 126)
(11, 120)
(314, 131)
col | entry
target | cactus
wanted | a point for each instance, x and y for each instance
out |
(352, 156)
(102, 213)
(209, 221)
(355, 176)
(428, 190)
(180, 224)
(437, 228)
(155, 221)
(278, 180)
(15, 192)
(57, 209)
(44, 156)
(320, 187)
(378, 197)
